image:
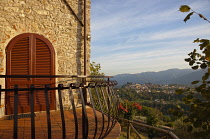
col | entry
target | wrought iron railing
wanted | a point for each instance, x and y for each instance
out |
(102, 98)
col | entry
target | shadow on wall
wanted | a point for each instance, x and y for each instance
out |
(79, 34)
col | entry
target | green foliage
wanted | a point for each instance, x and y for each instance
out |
(169, 124)
(185, 130)
(95, 69)
(178, 111)
(152, 120)
(198, 117)
(152, 112)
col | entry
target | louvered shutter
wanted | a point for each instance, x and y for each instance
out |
(19, 65)
(43, 66)
(29, 54)
(20, 58)
(43, 58)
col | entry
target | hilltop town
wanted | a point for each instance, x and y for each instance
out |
(153, 95)
(149, 87)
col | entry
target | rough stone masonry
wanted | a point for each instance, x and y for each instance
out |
(53, 20)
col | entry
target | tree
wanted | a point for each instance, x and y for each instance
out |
(95, 69)
(199, 113)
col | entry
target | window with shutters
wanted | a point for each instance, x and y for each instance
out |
(29, 54)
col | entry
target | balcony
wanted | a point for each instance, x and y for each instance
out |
(92, 113)
(83, 107)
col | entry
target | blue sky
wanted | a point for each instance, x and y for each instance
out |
(134, 36)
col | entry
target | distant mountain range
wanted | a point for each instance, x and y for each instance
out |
(171, 76)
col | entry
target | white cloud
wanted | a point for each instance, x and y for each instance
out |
(124, 22)
(135, 35)
(139, 61)
(117, 22)
(177, 36)
(199, 30)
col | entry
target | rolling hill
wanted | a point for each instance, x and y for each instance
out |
(171, 76)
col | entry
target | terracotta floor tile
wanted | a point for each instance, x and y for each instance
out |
(41, 130)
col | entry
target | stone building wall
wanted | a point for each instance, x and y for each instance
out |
(53, 20)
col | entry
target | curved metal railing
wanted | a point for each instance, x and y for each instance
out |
(102, 98)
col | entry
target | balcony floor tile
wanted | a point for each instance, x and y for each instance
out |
(24, 126)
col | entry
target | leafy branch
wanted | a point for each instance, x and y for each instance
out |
(198, 115)
(95, 69)
(186, 8)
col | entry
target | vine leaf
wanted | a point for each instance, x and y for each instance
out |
(188, 16)
(203, 65)
(184, 8)
(197, 123)
(179, 91)
(195, 82)
(187, 59)
(191, 62)
(204, 127)
(186, 120)
(201, 16)
(204, 43)
(195, 67)
(190, 128)
(197, 40)
(205, 77)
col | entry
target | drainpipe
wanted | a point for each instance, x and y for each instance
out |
(84, 120)
(85, 39)
(85, 48)
(85, 51)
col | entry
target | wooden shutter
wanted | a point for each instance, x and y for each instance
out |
(19, 65)
(43, 66)
(20, 58)
(29, 54)
(43, 58)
